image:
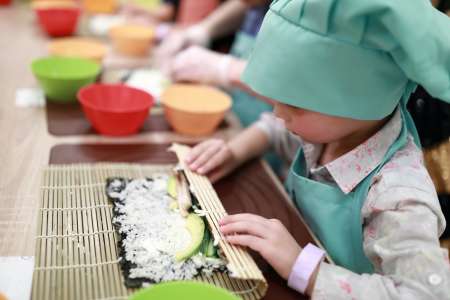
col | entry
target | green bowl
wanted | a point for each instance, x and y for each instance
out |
(185, 290)
(62, 77)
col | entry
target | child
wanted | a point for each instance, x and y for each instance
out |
(340, 74)
(197, 64)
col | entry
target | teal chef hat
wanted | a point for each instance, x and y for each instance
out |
(350, 58)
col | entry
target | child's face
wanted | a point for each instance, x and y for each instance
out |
(318, 128)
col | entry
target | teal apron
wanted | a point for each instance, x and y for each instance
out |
(334, 217)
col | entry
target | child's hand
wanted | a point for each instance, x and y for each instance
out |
(268, 237)
(213, 158)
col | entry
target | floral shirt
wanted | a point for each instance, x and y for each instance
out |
(401, 217)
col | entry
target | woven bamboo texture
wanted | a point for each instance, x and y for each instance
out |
(76, 244)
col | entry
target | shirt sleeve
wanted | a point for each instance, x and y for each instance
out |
(402, 221)
(284, 143)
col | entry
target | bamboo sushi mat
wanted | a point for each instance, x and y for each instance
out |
(76, 244)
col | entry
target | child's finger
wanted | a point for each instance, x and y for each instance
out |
(206, 156)
(251, 228)
(242, 217)
(197, 150)
(214, 161)
(253, 242)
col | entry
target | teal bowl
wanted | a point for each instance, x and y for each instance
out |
(185, 290)
(62, 77)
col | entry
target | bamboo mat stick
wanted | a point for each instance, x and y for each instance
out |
(76, 280)
(84, 287)
(49, 244)
(70, 250)
(60, 250)
(98, 246)
(55, 230)
(65, 241)
(109, 243)
(101, 222)
(117, 284)
(37, 279)
(91, 273)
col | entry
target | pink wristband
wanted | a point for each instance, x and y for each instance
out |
(308, 260)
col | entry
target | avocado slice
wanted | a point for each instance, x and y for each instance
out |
(196, 228)
(172, 187)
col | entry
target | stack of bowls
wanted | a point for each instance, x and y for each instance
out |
(195, 110)
(132, 40)
(57, 17)
(62, 77)
(78, 47)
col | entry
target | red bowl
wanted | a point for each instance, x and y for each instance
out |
(58, 21)
(115, 109)
(5, 2)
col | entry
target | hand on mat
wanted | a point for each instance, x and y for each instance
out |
(269, 237)
(213, 158)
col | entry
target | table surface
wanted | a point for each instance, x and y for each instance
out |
(26, 141)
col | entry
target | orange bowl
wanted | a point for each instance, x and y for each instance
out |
(100, 6)
(195, 110)
(78, 47)
(46, 4)
(132, 40)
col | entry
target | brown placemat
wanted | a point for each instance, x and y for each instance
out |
(251, 189)
(65, 119)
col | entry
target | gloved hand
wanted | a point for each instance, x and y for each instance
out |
(197, 64)
(179, 39)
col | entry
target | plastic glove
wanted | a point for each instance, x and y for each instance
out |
(197, 64)
(179, 39)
